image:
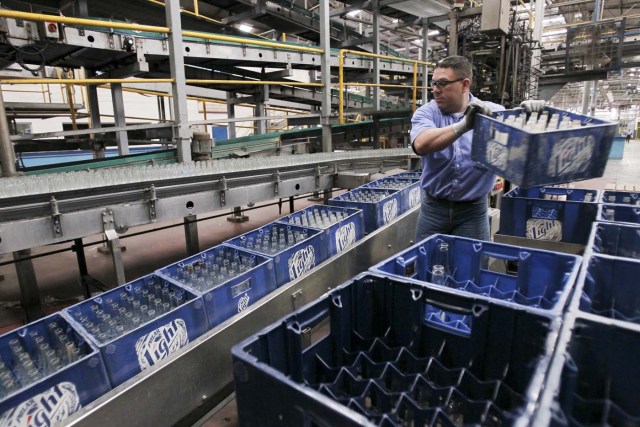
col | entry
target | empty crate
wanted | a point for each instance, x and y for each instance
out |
(379, 206)
(380, 351)
(343, 226)
(510, 274)
(537, 149)
(48, 371)
(295, 250)
(229, 279)
(609, 287)
(409, 188)
(548, 213)
(139, 324)
(619, 213)
(595, 377)
(621, 197)
(621, 240)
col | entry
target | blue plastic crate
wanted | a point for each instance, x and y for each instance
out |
(410, 189)
(594, 378)
(619, 213)
(64, 386)
(417, 174)
(343, 226)
(383, 206)
(512, 275)
(530, 159)
(609, 288)
(227, 278)
(621, 197)
(363, 354)
(144, 342)
(621, 240)
(291, 261)
(548, 213)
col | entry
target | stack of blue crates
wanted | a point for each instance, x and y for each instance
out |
(48, 371)
(227, 278)
(549, 213)
(342, 226)
(379, 206)
(409, 187)
(363, 354)
(550, 154)
(137, 325)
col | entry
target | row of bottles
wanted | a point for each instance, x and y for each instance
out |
(46, 356)
(540, 123)
(318, 218)
(273, 239)
(390, 184)
(365, 196)
(117, 314)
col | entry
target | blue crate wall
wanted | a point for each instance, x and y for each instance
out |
(223, 295)
(342, 233)
(530, 159)
(594, 378)
(532, 278)
(376, 214)
(619, 213)
(536, 213)
(621, 240)
(410, 189)
(294, 261)
(621, 197)
(408, 175)
(364, 355)
(155, 339)
(609, 288)
(52, 398)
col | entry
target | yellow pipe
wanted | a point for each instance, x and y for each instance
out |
(196, 8)
(27, 16)
(265, 43)
(341, 86)
(532, 20)
(251, 82)
(415, 87)
(80, 81)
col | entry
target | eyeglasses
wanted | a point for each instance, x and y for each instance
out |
(442, 83)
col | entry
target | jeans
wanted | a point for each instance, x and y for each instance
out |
(464, 219)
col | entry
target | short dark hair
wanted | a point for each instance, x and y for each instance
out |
(460, 65)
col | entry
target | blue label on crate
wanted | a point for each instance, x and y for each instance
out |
(301, 262)
(345, 236)
(390, 211)
(571, 155)
(544, 213)
(161, 343)
(544, 229)
(414, 196)
(48, 408)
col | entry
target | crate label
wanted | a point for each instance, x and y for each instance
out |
(161, 343)
(389, 211)
(571, 155)
(544, 229)
(301, 262)
(48, 408)
(243, 302)
(497, 154)
(414, 196)
(345, 236)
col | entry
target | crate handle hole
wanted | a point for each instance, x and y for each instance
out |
(316, 333)
(506, 266)
(416, 294)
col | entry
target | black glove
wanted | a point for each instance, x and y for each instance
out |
(466, 124)
(533, 106)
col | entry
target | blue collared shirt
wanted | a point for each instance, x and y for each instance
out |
(450, 173)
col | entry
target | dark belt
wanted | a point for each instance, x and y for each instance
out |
(452, 202)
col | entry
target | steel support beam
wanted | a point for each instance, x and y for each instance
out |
(29, 293)
(182, 133)
(78, 248)
(231, 113)
(191, 234)
(94, 115)
(325, 71)
(119, 118)
(7, 153)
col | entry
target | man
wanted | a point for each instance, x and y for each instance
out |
(455, 187)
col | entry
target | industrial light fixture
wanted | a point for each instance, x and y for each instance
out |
(245, 28)
(433, 33)
(354, 12)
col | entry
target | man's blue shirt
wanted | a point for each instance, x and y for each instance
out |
(450, 173)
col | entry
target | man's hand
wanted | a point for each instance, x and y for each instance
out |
(533, 106)
(466, 124)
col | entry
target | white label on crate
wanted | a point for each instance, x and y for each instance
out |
(544, 229)
(243, 302)
(414, 196)
(345, 236)
(161, 343)
(301, 262)
(389, 211)
(571, 155)
(48, 408)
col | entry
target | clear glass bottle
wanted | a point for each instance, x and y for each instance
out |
(442, 256)
(437, 275)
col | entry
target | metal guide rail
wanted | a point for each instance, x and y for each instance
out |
(184, 388)
(81, 204)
